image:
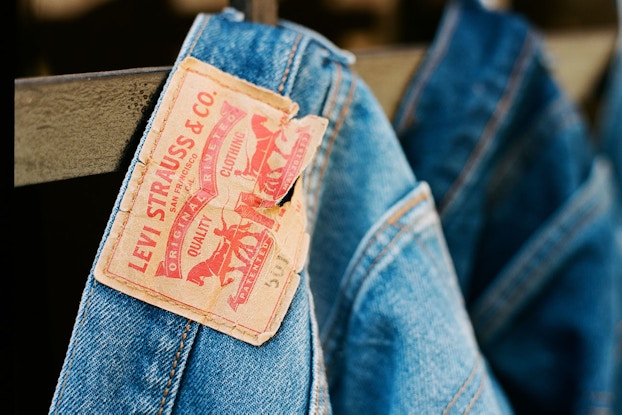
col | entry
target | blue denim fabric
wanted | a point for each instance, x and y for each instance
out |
(395, 337)
(128, 357)
(610, 139)
(526, 207)
(610, 121)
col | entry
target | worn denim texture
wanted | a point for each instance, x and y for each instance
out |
(527, 208)
(378, 324)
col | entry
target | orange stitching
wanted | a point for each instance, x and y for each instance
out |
(387, 247)
(415, 201)
(463, 387)
(289, 63)
(338, 83)
(172, 372)
(326, 115)
(476, 396)
(391, 222)
(331, 143)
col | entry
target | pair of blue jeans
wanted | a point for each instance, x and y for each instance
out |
(378, 323)
(527, 205)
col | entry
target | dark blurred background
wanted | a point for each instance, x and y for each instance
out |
(61, 223)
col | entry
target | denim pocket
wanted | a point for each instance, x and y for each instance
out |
(398, 339)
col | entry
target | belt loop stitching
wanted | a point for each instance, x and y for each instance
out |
(175, 362)
(289, 63)
(331, 143)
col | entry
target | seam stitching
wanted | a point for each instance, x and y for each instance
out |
(402, 230)
(173, 371)
(463, 387)
(331, 143)
(524, 287)
(289, 63)
(575, 217)
(475, 398)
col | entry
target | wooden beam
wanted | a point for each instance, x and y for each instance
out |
(78, 125)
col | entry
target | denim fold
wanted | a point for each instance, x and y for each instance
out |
(527, 204)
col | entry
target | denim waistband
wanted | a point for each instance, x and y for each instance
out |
(278, 50)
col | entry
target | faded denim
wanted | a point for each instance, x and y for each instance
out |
(527, 208)
(378, 323)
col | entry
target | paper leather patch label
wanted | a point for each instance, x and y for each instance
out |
(202, 229)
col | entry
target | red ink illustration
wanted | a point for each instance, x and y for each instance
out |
(240, 251)
(235, 252)
(266, 145)
(252, 273)
(274, 181)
